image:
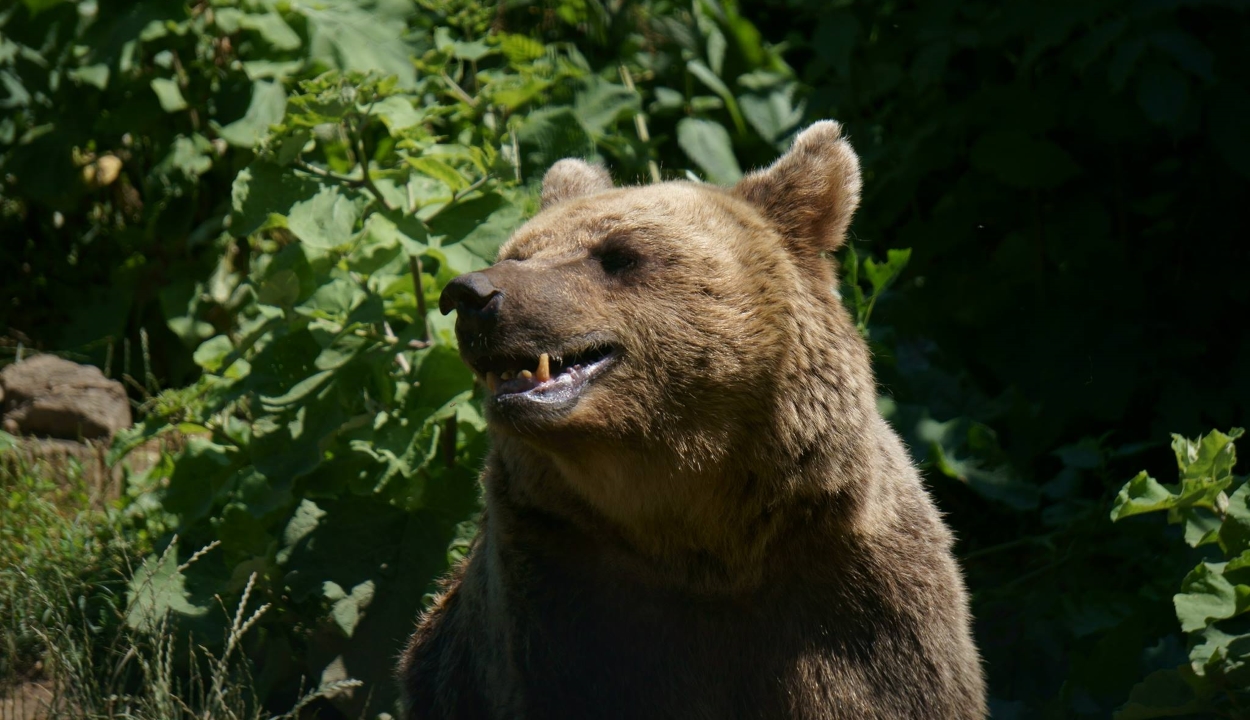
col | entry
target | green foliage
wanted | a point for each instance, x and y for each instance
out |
(56, 532)
(280, 190)
(1213, 505)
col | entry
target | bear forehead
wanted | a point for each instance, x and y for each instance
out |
(669, 218)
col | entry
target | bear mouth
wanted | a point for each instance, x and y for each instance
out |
(550, 378)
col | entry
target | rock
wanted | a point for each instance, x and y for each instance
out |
(51, 397)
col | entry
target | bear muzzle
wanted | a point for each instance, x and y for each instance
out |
(524, 361)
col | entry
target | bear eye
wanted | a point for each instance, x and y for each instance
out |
(616, 258)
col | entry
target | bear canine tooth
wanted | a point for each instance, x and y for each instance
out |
(544, 368)
(492, 381)
(526, 374)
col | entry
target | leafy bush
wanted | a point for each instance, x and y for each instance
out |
(286, 187)
(1213, 506)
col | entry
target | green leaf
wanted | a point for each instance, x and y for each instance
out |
(267, 107)
(1142, 494)
(398, 113)
(325, 221)
(273, 29)
(1235, 531)
(262, 190)
(365, 37)
(168, 94)
(157, 589)
(602, 104)
(1206, 595)
(1210, 457)
(718, 86)
(881, 275)
(708, 145)
(95, 75)
(551, 134)
(303, 523)
(212, 353)
(774, 114)
(199, 474)
(347, 609)
(1164, 693)
(436, 168)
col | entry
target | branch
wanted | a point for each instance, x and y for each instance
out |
(364, 168)
(414, 266)
(459, 91)
(300, 164)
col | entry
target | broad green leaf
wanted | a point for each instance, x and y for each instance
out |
(158, 589)
(1202, 526)
(262, 190)
(438, 169)
(708, 145)
(347, 609)
(601, 104)
(300, 391)
(1235, 531)
(1211, 456)
(272, 28)
(168, 94)
(267, 107)
(1142, 494)
(367, 37)
(188, 159)
(1164, 693)
(333, 300)
(95, 75)
(326, 220)
(302, 524)
(550, 134)
(773, 114)
(397, 113)
(212, 353)
(199, 473)
(1206, 595)
(881, 275)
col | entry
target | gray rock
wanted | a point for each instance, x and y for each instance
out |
(50, 397)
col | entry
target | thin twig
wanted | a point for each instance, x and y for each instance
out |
(314, 170)
(640, 122)
(364, 168)
(414, 266)
(399, 356)
(459, 91)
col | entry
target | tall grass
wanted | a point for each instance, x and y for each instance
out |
(79, 634)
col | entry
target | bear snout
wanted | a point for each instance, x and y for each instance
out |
(470, 293)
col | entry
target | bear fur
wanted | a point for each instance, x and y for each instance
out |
(717, 525)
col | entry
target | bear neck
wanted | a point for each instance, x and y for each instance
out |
(805, 474)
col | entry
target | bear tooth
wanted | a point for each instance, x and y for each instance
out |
(492, 381)
(526, 374)
(544, 368)
(507, 375)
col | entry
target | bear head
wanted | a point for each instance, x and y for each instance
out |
(661, 329)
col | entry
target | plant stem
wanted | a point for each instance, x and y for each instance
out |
(414, 266)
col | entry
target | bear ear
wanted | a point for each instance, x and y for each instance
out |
(811, 192)
(570, 178)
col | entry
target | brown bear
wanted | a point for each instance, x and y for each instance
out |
(693, 506)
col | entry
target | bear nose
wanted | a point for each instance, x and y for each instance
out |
(470, 293)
